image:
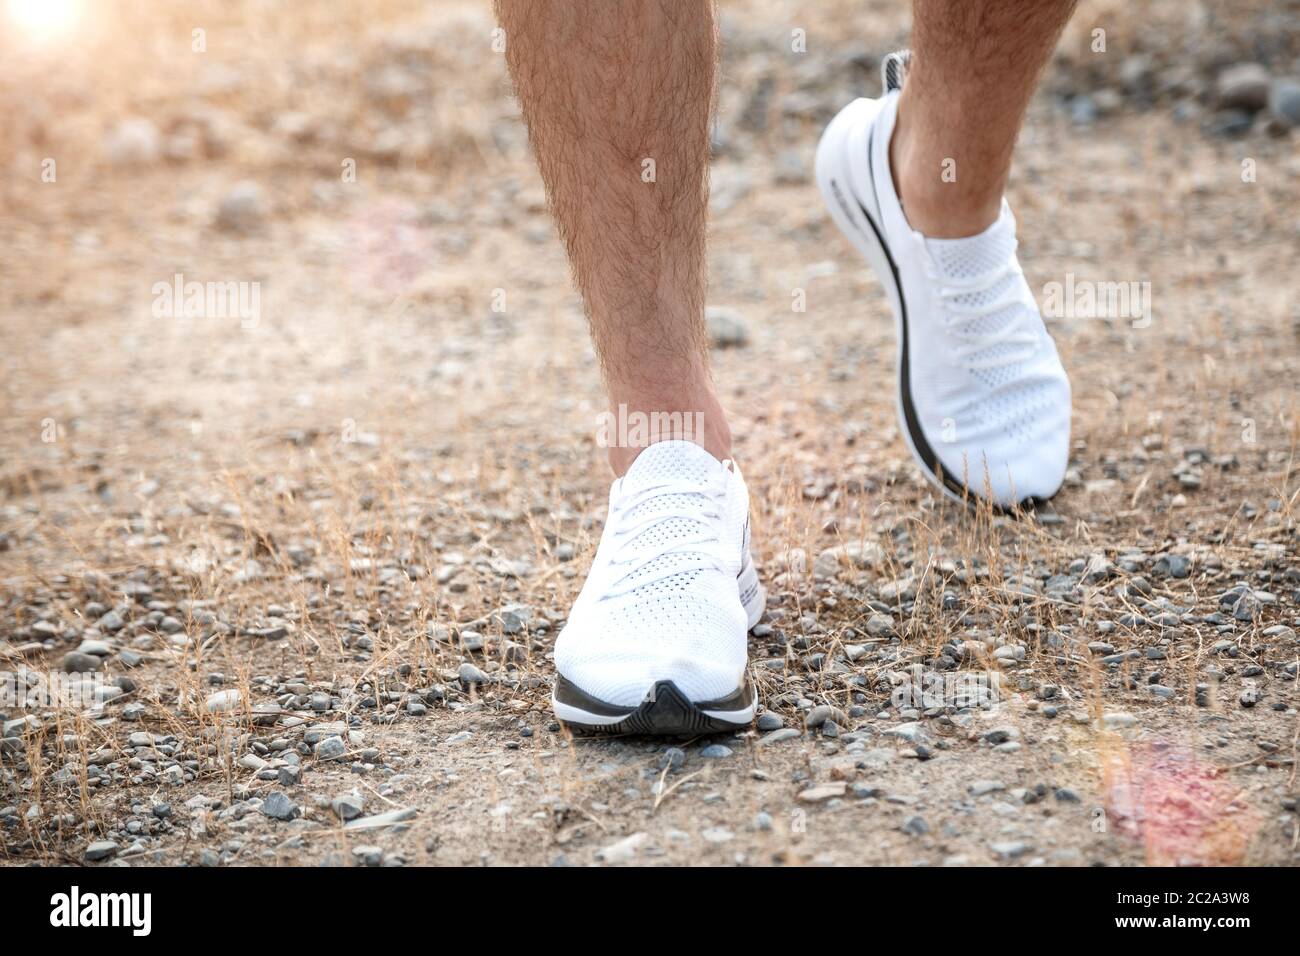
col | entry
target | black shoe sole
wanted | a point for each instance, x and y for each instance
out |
(666, 711)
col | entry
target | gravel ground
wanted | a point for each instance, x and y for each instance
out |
(309, 561)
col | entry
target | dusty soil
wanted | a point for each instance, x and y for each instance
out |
(325, 509)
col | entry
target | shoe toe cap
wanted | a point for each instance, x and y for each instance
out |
(621, 672)
(1011, 469)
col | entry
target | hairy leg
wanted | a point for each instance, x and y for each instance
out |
(975, 64)
(617, 98)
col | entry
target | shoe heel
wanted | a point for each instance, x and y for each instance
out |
(857, 223)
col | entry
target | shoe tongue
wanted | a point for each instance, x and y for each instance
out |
(670, 461)
(679, 513)
(977, 255)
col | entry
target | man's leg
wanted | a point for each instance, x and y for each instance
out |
(975, 64)
(617, 98)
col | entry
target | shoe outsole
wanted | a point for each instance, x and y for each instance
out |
(665, 712)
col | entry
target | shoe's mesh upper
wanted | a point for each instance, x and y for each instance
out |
(660, 462)
(686, 626)
(1010, 409)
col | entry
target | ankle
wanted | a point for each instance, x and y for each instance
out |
(940, 200)
(633, 423)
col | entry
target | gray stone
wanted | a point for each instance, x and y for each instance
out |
(823, 792)
(726, 328)
(331, 748)
(242, 208)
(880, 625)
(277, 806)
(1000, 735)
(916, 826)
(1136, 74)
(1227, 123)
(20, 725)
(514, 618)
(392, 818)
(252, 762)
(672, 758)
(469, 674)
(855, 554)
(1284, 101)
(1242, 86)
(100, 850)
(133, 142)
(824, 713)
(224, 701)
(75, 662)
(368, 855)
(1098, 569)
(318, 732)
(1009, 849)
(913, 732)
(901, 590)
(624, 850)
(1083, 109)
(1280, 632)
(347, 806)
(1247, 607)
(1173, 565)
(716, 835)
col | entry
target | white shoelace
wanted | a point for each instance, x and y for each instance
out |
(705, 546)
(962, 315)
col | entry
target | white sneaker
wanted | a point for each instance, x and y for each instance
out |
(982, 398)
(656, 641)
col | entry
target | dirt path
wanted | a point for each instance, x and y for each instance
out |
(322, 552)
